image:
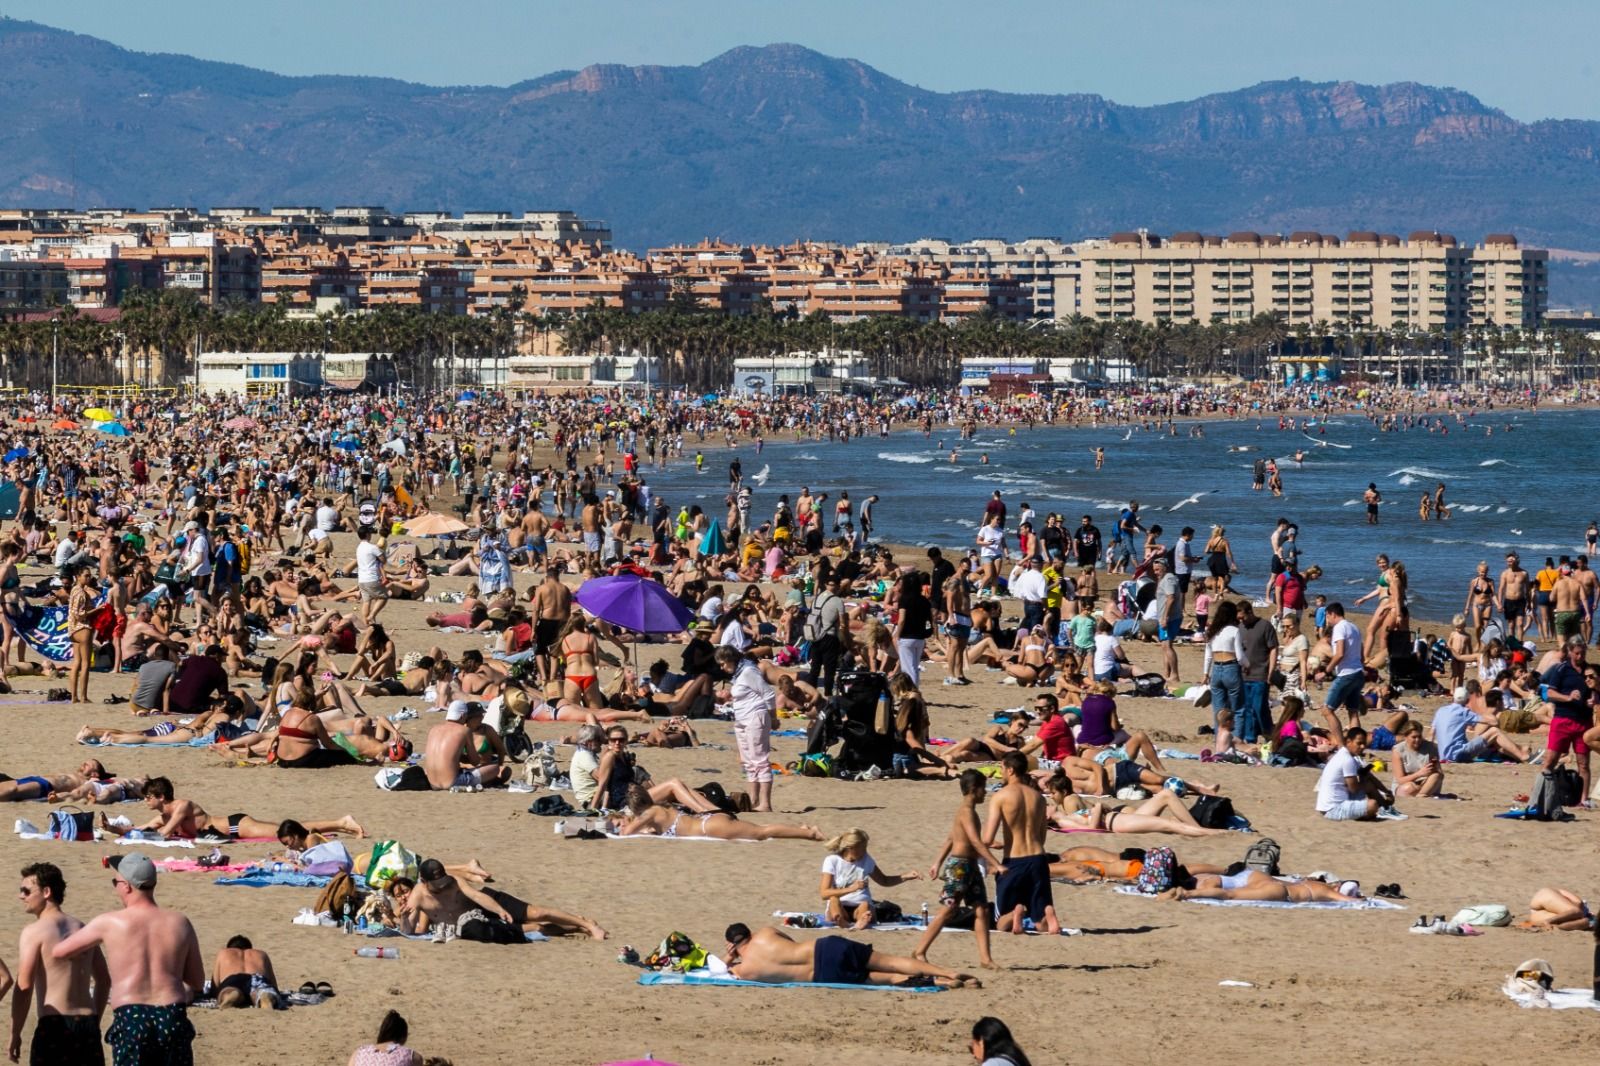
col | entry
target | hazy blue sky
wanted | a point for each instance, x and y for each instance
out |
(1531, 58)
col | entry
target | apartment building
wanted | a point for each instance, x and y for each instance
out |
(1047, 269)
(1425, 282)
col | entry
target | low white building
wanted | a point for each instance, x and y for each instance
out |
(260, 373)
(804, 372)
(976, 371)
(359, 370)
(558, 373)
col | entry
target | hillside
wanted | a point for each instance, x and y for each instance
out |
(775, 143)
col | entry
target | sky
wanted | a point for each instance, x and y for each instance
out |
(1532, 59)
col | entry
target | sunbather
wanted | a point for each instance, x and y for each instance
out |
(1557, 908)
(1254, 885)
(651, 817)
(771, 957)
(519, 912)
(1161, 813)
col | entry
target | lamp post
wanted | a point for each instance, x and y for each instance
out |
(55, 356)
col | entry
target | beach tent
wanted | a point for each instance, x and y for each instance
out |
(713, 542)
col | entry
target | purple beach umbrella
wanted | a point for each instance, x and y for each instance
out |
(635, 603)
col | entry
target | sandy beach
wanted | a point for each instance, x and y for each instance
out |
(1154, 966)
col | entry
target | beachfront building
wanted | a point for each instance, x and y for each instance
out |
(365, 371)
(1427, 282)
(562, 373)
(1046, 270)
(978, 372)
(259, 373)
(806, 373)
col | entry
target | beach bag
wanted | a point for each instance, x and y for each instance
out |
(488, 930)
(817, 765)
(390, 859)
(335, 894)
(1149, 685)
(1555, 789)
(886, 912)
(326, 859)
(1263, 857)
(1213, 812)
(677, 952)
(1483, 914)
(1160, 871)
(1289, 751)
(69, 823)
(1569, 786)
(552, 806)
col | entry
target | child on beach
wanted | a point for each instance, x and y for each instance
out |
(845, 876)
(1202, 611)
(961, 873)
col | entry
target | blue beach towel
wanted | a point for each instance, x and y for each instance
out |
(704, 979)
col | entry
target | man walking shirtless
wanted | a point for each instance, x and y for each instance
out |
(70, 994)
(1023, 891)
(153, 961)
(552, 605)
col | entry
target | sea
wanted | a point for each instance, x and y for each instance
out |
(1513, 480)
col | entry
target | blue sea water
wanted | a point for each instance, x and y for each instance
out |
(1529, 485)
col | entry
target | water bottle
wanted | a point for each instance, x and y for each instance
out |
(277, 867)
(348, 916)
(361, 925)
(924, 914)
(378, 953)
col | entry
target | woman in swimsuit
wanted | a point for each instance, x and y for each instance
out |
(375, 655)
(1557, 908)
(1031, 666)
(1086, 864)
(651, 817)
(1161, 813)
(102, 792)
(1254, 885)
(303, 741)
(80, 604)
(997, 741)
(1480, 600)
(1219, 560)
(581, 669)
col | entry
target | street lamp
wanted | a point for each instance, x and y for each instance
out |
(55, 356)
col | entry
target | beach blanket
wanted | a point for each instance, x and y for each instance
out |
(908, 924)
(196, 742)
(1174, 753)
(384, 932)
(1319, 905)
(268, 878)
(45, 629)
(1557, 999)
(680, 836)
(702, 978)
(190, 866)
(28, 831)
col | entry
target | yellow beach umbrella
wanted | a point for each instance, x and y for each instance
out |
(99, 414)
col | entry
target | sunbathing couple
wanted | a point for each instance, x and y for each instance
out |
(659, 819)
(1198, 880)
(441, 900)
(1163, 812)
(89, 781)
(185, 820)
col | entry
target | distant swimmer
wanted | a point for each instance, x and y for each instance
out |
(1373, 498)
(954, 455)
(984, 458)
(1299, 455)
(1099, 458)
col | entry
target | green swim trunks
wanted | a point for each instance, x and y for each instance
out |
(142, 1035)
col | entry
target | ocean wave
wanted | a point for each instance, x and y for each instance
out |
(1420, 471)
(948, 469)
(1492, 462)
(1471, 508)
(903, 457)
(806, 457)
(1009, 479)
(1408, 480)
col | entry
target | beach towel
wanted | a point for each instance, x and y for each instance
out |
(1320, 905)
(45, 629)
(1174, 753)
(680, 836)
(384, 932)
(190, 866)
(196, 742)
(28, 831)
(817, 921)
(266, 878)
(703, 978)
(1556, 999)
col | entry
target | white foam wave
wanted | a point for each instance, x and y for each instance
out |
(806, 457)
(1408, 480)
(903, 457)
(1492, 462)
(947, 469)
(1418, 471)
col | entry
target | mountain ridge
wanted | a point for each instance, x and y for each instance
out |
(780, 142)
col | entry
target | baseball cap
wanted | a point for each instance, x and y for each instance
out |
(456, 711)
(430, 870)
(136, 869)
(190, 527)
(1461, 693)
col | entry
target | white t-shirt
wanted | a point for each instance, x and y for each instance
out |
(1331, 789)
(990, 539)
(1350, 661)
(711, 609)
(751, 698)
(65, 550)
(848, 873)
(369, 563)
(327, 518)
(1105, 653)
(197, 556)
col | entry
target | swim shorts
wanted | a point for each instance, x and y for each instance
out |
(1025, 883)
(963, 883)
(142, 1034)
(66, 1038)
(1514, 608)
(1564, 734)
(837, 960)
(1567, 624)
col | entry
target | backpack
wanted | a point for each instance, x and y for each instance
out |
(812, 630)
(69, 823)
(339, 890)
(1160, 871)
(1213, 812)
(390, 859)
(1263, 857)
(816, 765)
(1555, 789)
(1149, 685)
(1289, 751)
(490, 930)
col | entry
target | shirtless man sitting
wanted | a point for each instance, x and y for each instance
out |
(242, 975)
(70, 995)
(154, 967)
(771, 957)
(142, 635)
(449, 759)
(439, 899)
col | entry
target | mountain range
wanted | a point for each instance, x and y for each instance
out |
(777, 143)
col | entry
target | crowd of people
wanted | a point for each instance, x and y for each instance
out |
(236, 564)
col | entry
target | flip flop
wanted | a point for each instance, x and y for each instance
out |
(323, 988)
(308, 989)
